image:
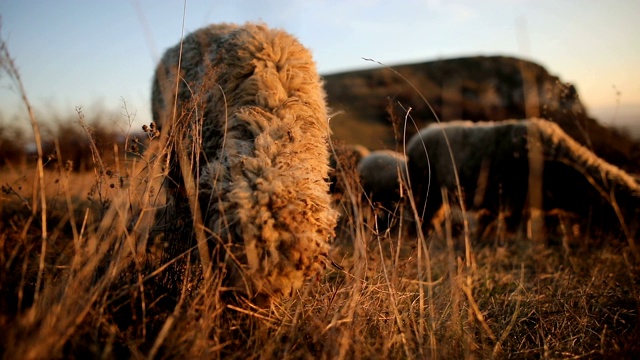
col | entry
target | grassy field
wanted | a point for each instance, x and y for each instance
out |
(85, 274)
(87, 279)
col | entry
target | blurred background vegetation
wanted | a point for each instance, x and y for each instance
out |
(69, 137)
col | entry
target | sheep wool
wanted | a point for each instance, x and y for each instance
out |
(252, 118)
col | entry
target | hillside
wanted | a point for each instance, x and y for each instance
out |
(471, 88)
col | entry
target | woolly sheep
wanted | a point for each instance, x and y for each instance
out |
(493, 163)
(252, 118)
(380, 174)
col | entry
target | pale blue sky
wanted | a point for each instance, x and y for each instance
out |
(88, 52)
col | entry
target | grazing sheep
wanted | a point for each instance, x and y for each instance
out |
(496, 162)
(252, 121)
(380, 174)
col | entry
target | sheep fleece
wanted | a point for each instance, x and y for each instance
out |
(252, 115)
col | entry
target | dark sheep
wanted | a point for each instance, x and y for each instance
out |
(380, 174)
(383, 176)
(496, 162)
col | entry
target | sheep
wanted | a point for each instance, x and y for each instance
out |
(381, 173)
(251, 121)
(378, 187)
(496, 162)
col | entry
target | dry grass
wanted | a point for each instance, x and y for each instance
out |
(106, 292)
